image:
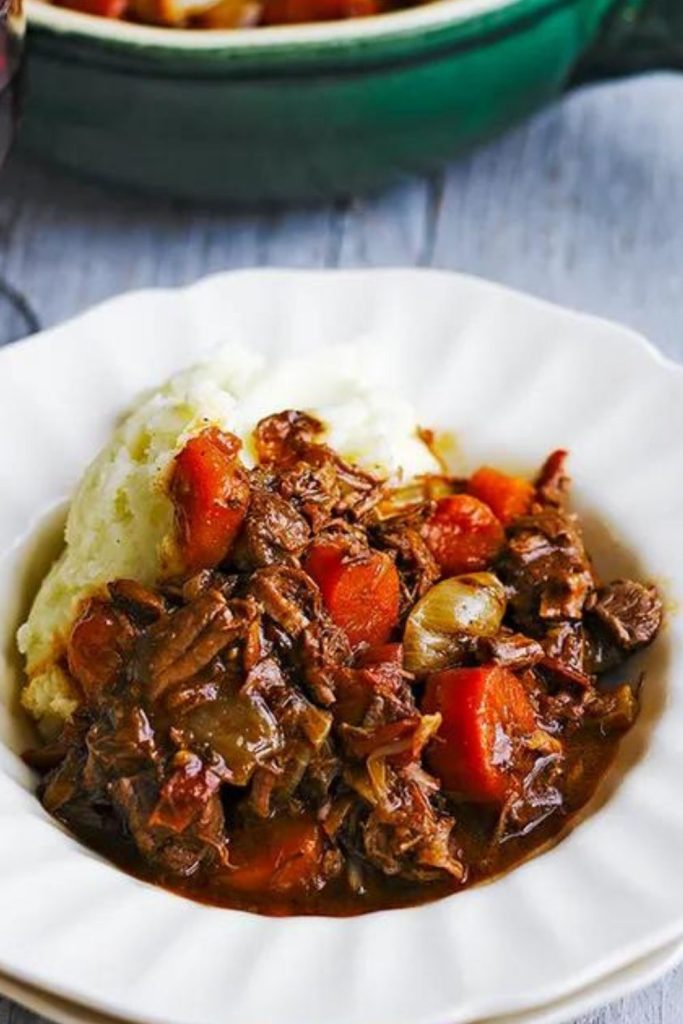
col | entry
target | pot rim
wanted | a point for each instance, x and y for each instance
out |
(432, 15)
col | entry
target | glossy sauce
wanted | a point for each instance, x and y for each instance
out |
(588, 756)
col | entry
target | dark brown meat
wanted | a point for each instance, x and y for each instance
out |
(281, 438)
(206, 579)
(170, 639)
(568, 654)
(181, 830)
(185, 643)
(416, 564)
(313, 488)
(143, 605)
(64, 784)
(404, 835)
(273, 532)
(546, 568)
(225, 705)
(513, 650)
(629, 612)
(373, 695)
(566, 643)
(288, 596)
(563, 673)
(540, 797)
(121, 743)
(322, 651)
(552, 483)
(311, 475)
(186, 791)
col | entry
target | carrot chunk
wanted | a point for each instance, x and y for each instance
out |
(477, 752)
(463, 534)
(278, 855)
(210, 492)
(361, 593)
(508, 497)
(97, 647)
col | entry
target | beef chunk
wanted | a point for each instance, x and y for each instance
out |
(546, 568)
(629, 612)
(323, 649)
(568, 654)
(171, 638)
(288, 596)
(181, 645)
(418, 567)
(280, 438)
(311, 475)
(566, 643)
(273, 531)
(120, 743)
(181, 828)
(552, 482)
(513, 650)
(404, 834)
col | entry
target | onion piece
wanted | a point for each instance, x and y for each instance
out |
(241, 729)
(450, 614)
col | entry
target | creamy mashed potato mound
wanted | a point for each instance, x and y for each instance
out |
(120, 523)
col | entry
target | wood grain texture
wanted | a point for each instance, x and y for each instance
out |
(581, 206)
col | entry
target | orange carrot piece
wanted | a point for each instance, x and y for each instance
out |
(360, 593)
(276, 856)
(508, 497)
(485, 711)
(210, 492)
(463, 534)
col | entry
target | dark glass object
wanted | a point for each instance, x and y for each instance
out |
(11, 44)
(15, 318)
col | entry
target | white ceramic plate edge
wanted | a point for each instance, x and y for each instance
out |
(477, 300)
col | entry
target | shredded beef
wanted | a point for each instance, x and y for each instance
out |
(227, 707)
(273, 532)
(419, 569)
(288, 596)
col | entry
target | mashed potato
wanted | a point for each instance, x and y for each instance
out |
(120, 523)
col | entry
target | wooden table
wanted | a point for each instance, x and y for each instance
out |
(583, 206)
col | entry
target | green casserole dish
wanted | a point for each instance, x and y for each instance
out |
(301, 113)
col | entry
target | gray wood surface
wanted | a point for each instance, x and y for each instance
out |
(583, 205)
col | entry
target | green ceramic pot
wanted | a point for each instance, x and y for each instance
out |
(307, 112)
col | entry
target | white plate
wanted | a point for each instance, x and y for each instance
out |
(618, 985)
(513, 377)
(615, 986)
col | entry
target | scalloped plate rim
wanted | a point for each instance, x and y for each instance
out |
(555, 990)
(213, 279)
(611, 987)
